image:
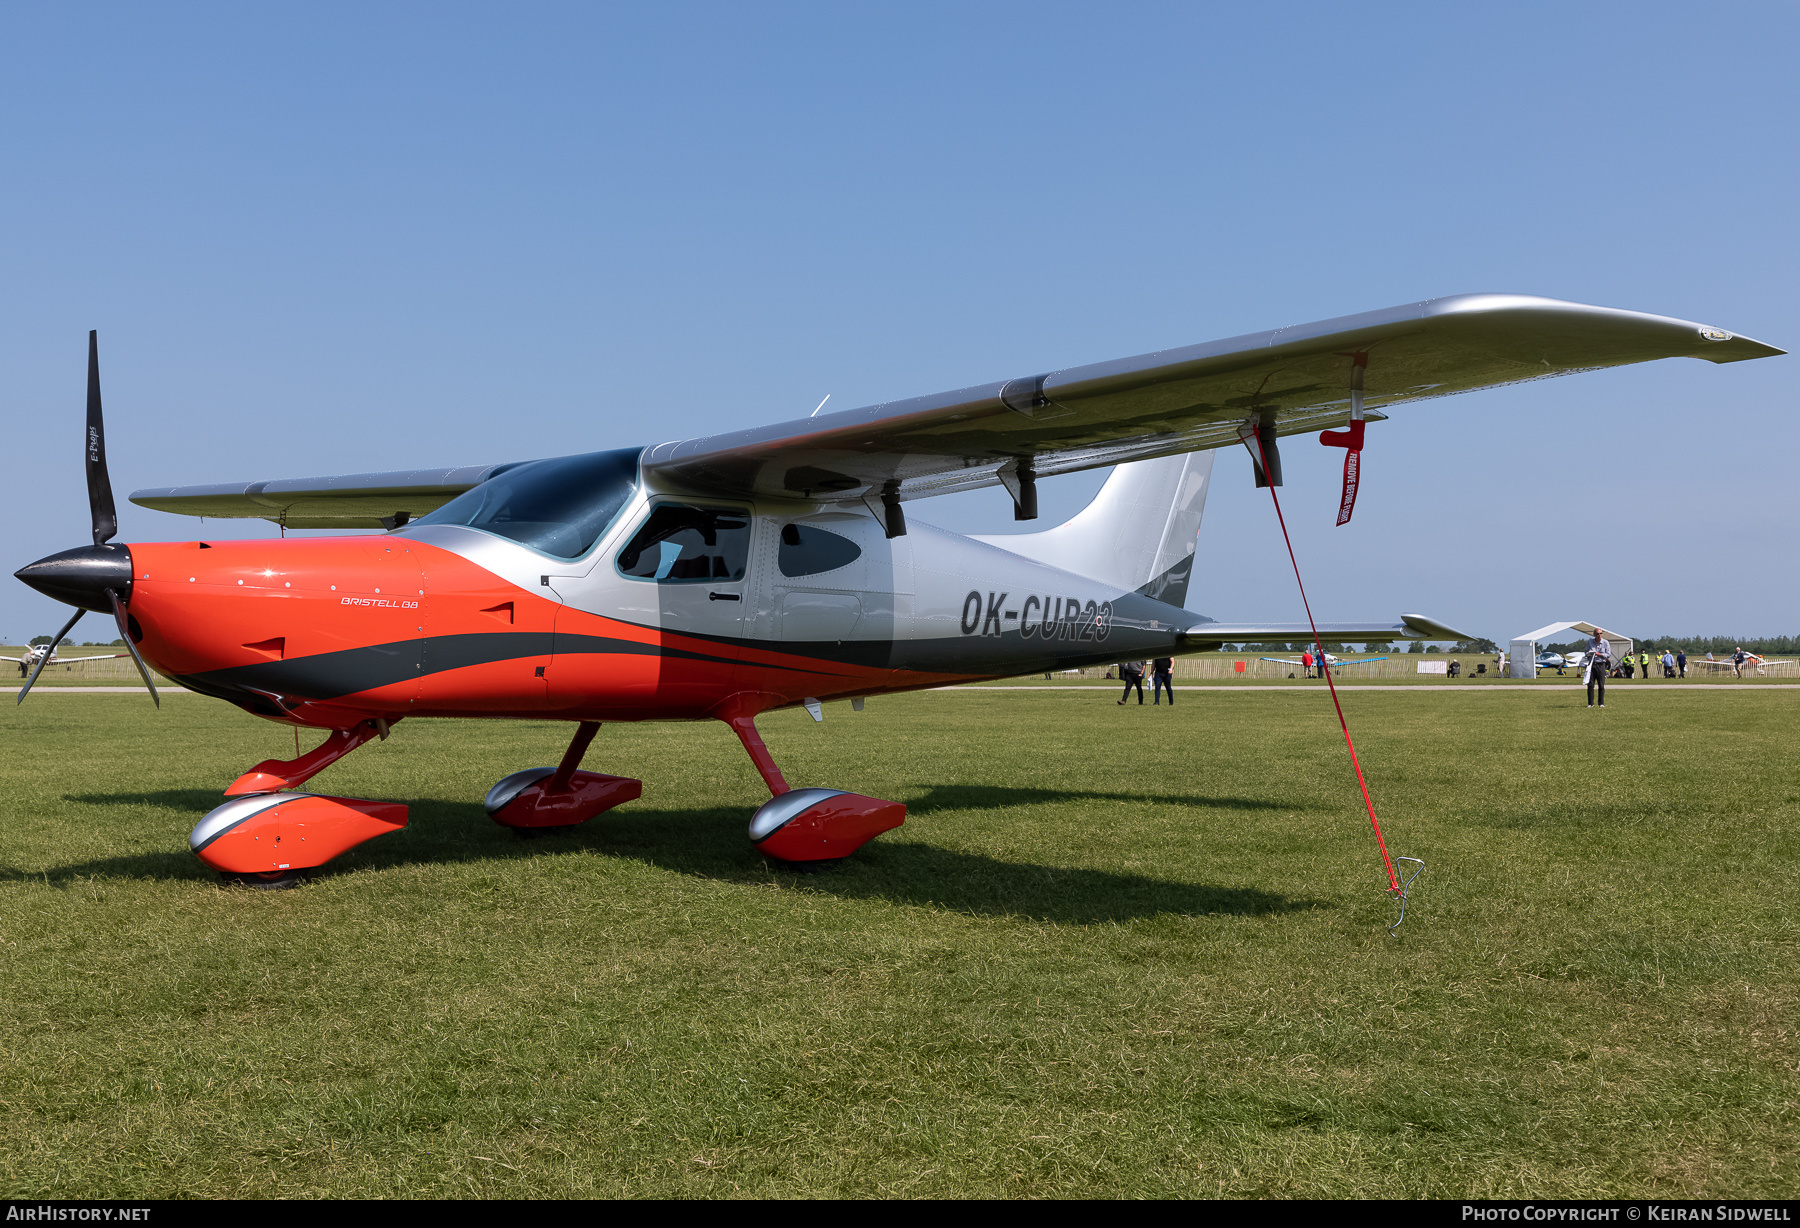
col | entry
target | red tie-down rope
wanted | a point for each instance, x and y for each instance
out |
(1394, 886)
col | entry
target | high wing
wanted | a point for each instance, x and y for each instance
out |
(1184, 400)
(1011, 431)
(352, 501)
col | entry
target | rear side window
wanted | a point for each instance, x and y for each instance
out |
(683, 542)
(807, 550)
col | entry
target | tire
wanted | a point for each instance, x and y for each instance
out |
(273, 880)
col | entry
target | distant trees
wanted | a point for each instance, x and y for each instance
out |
(39, 639)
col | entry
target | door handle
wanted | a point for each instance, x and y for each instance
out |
(723, 597)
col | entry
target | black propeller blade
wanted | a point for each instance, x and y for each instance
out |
(96, 577)
(124, 621)
(100, 496)
(48, 653)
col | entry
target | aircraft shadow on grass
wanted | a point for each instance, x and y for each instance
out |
(710, 843)
(994, 797)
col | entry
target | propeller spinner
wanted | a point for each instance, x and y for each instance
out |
(96, 577)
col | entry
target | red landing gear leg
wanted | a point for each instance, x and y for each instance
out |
(267, 837)
(809, 829)
(273, 774)
(541, 799)
(745, 728)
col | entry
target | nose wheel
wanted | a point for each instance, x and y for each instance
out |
(272, 839)
(277, 880)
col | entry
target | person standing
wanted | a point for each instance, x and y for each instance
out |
(1737, 662)
(1599, 663)
(1668, 664)
(1681, 664)
(1644, 663)
(1306, 664)
(1162, 678)
(1133, 673)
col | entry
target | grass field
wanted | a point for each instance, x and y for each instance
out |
(1113, 952)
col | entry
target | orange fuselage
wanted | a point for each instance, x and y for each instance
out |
(329, 632)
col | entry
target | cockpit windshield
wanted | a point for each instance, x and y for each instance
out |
(559, 506)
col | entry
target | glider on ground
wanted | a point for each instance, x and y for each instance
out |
(726, 576)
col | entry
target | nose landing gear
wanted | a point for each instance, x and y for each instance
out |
(269, 836)
(271, 839)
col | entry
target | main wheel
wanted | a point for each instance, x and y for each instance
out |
(269, 880)
(804, 867)
(538, 833)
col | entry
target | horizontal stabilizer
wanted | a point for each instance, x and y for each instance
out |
(1410, 627)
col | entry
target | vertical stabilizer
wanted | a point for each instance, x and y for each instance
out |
(1138, 533)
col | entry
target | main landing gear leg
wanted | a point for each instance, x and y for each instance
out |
(809, 829)
(745, 728)
(266, 836)
(543, 799)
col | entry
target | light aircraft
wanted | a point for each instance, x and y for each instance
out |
(763, 568)
(1751, 661)
(1330, 659)
(34, 654)
(47, 655)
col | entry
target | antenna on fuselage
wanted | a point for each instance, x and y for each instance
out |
(819, 406)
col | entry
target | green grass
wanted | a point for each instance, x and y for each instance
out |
(1112, 952)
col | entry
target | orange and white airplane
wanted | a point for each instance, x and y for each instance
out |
(723, 577)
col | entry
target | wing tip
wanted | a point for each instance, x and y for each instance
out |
(1714, 344)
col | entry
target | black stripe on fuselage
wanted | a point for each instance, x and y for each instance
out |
(1140, 627)
(348, 671)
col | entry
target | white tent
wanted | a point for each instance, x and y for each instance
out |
(1522, 654)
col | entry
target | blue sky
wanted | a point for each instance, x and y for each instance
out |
(334, 238)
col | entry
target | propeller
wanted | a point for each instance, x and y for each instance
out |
(96, 577)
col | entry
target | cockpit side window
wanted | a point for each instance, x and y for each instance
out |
(682, 542)
(560, 507)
